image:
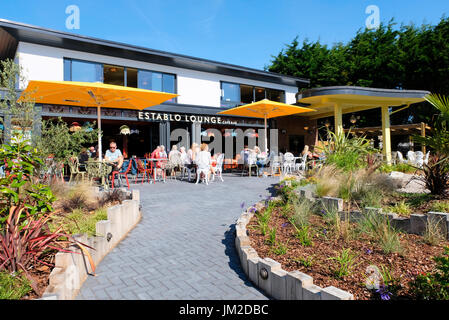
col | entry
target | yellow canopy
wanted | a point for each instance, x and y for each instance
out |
(265, 109)
(93, 94)
(87, 94)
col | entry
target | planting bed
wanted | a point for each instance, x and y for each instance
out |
(313, 260)
(62, 216)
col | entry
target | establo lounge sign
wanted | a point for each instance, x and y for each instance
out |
(156, 116)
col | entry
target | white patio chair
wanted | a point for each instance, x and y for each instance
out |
(289, 163)
(252, 162)
(275, 165)
(419, 160)
(411, 158)
(302, 165)
(203, 168)
(401, 158)
(219, 168)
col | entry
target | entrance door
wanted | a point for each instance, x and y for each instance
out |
(295, 144)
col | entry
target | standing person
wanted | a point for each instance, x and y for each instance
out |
(83, 158)
(183, 155)
(114, 157)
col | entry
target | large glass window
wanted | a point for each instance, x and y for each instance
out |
(168, 83)
(144, 79)
(131, 77)
(275, 95)
(230, 94)
(86, 71)
(247, 94)
(234, 94)
(156, 81)
(114, 75)
(259, 94)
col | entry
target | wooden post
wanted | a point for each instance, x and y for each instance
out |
(338, 118)
(386, 136)
(423, 134)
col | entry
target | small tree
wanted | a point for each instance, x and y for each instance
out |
(23, 114)
(57, 140)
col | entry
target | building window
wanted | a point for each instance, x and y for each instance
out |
(114, 75)
(131, 77)
(234, 94)
(86, 71)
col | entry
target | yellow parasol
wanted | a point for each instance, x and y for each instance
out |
(265, 109)
(99, 95)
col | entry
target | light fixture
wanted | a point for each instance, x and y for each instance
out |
(125, 130)
(75, 127)
(306, 127)
(353, 119)
(327, 123)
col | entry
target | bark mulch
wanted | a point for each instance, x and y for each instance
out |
(415, 258)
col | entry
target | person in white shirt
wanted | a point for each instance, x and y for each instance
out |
(174, 150)
(163, 152)
(114, 156)
(204, 159)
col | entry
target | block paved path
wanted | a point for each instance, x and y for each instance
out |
(183, 248)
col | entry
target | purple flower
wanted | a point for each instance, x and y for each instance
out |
(260, 196)
(383, 291)
(253, 209)
(368, 251)
(284, 225)
(242, 205)
(325, 231)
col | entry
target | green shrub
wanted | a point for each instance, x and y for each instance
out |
(441, 206)
(280, 248)
(378, 227)
(345, 262)
(81, 222)
(306, 262)
(400, 167)
(302, 233)
(435, 285)
(13, 286)
(272, 237)
(433, 235)
(302, 210)
(400, 208)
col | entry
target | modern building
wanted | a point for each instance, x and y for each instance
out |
(204, 87)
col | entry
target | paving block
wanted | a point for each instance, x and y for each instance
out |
(135, 194)
(253, 273)
(441, 220)
(332, 204)
(279, 284)
(247, 253)
(265, 268)
(311, 292)
(402, 224)
(333, 293)
(418, 223)
(296, 280)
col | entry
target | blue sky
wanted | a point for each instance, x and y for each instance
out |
(242, 32)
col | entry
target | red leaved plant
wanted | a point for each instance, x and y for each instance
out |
(23, 241)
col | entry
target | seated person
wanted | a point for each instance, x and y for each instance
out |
(92, 152)
(83, 158)
(174, 150)
(204, 159)
(114, 157)
(306, 151)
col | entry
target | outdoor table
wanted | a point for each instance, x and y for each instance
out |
(101, 169)
(154, 161)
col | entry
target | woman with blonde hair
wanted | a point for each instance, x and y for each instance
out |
(203, 162)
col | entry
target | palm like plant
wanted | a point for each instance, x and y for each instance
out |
(436, 172)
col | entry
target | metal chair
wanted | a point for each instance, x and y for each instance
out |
(302, 165)
(219, 167)
(289, 163)
(121, 174)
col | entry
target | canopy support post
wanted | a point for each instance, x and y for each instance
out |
(338, 119)
(266, 134)
(100, 148)
(386, 135)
